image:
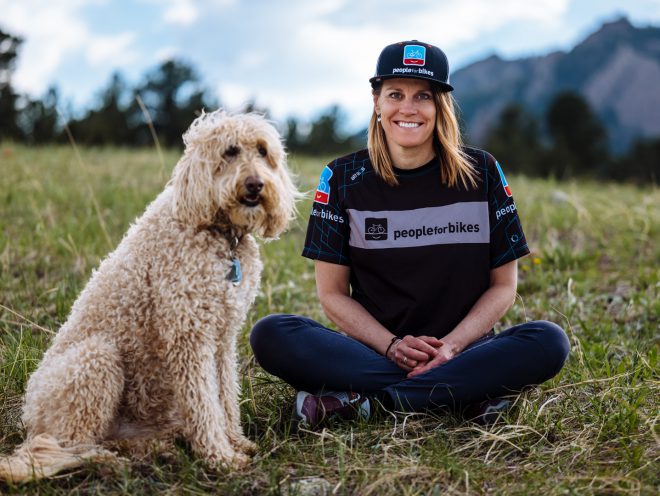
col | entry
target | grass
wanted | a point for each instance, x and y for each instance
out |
(594, 269)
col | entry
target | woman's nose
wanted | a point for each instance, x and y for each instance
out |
(407, 106)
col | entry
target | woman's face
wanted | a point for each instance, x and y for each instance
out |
(407, 112)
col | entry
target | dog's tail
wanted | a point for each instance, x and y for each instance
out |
(43, 456)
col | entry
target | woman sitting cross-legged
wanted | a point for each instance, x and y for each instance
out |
(415, 242)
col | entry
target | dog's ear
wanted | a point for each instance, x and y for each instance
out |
(276, 154)
(274, 226)
(193, 196)
(284, 211)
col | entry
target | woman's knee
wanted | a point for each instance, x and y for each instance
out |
(555, 343)
(267, 332)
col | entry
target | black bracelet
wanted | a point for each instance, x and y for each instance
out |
(395, 338)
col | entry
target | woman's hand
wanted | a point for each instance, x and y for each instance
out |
(411, 351)
(488, 309)
(445, 352)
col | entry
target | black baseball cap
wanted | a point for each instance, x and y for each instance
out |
(413, 59)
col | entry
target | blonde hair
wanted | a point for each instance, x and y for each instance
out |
(455, 165)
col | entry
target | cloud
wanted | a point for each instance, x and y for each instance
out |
(54, 32)
(295, 57)
(234, 96)
(112, 50)
(181, 12)
(336, 44)
(167, 53)
(446, 23)
(186, 13)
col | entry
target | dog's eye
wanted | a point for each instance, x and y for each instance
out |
(262, 150)
(231, 152)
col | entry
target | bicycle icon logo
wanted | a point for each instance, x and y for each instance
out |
(375, 229)
(414, 55)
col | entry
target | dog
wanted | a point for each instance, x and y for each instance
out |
(149, 348)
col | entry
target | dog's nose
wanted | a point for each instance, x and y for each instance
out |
(254, 185)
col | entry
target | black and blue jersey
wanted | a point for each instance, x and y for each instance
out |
(420, 252)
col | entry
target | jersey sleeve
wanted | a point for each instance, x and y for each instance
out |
(328, 227)
(507, 240)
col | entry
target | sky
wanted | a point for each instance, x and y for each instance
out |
(294, 57)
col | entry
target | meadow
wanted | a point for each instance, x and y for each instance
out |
(594, 269)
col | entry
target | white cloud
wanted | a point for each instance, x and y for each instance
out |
(341, 51)
(323, 7)
(112, 50)
(234, 96)
(186, 13)
(181, 12)
(339, 58)
(249, 61)
(295, 57)
(48, 31)
(53, 33)
(443, 23)
(167, 53)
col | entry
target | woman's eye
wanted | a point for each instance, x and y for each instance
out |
(424, 96)
(262, 150)
(395, 95)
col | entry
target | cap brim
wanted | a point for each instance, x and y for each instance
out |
(443, 86)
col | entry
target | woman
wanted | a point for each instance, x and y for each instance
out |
(415, 243)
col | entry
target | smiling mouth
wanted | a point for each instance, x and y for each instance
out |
(408, 125)
(251, 200)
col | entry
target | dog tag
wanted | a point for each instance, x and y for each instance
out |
(235, 274)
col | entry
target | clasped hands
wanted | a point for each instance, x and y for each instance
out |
(418, 354)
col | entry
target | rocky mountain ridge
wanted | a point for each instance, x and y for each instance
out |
(616, 69)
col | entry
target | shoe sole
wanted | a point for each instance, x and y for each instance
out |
(494, 412)
(300, 399)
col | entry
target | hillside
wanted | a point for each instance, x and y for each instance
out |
(617, 69)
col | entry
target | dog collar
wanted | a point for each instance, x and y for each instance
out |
(235, 274)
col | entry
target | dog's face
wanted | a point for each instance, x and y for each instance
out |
(234, 169)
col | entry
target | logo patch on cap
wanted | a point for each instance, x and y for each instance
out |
(414, 55)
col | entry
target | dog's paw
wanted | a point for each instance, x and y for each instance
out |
(235, 461)
(240, 461)
(244, 445)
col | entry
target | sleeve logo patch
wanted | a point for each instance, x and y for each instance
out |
(505, 185)
(323, 189)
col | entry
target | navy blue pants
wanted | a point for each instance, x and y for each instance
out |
(313, 358)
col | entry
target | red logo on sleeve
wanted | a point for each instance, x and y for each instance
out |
(505, 185)
(323, 189)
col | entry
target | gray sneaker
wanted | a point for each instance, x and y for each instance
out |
(313, 410)
(488, 412)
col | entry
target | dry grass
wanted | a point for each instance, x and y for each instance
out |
(594, 269)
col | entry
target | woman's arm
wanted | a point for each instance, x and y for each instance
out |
(332, 286)
(488, 309)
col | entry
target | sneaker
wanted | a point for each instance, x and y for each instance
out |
(313, 410)
(488, 412)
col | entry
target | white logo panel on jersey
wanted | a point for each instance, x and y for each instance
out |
(457, 223)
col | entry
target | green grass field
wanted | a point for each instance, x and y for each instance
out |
(594, 269)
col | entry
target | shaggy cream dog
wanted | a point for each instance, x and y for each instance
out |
(149, 349)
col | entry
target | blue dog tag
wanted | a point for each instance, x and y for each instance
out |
(235, 274)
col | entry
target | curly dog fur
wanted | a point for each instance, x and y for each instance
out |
(149, 348)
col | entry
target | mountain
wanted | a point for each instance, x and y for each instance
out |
(616, 69)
